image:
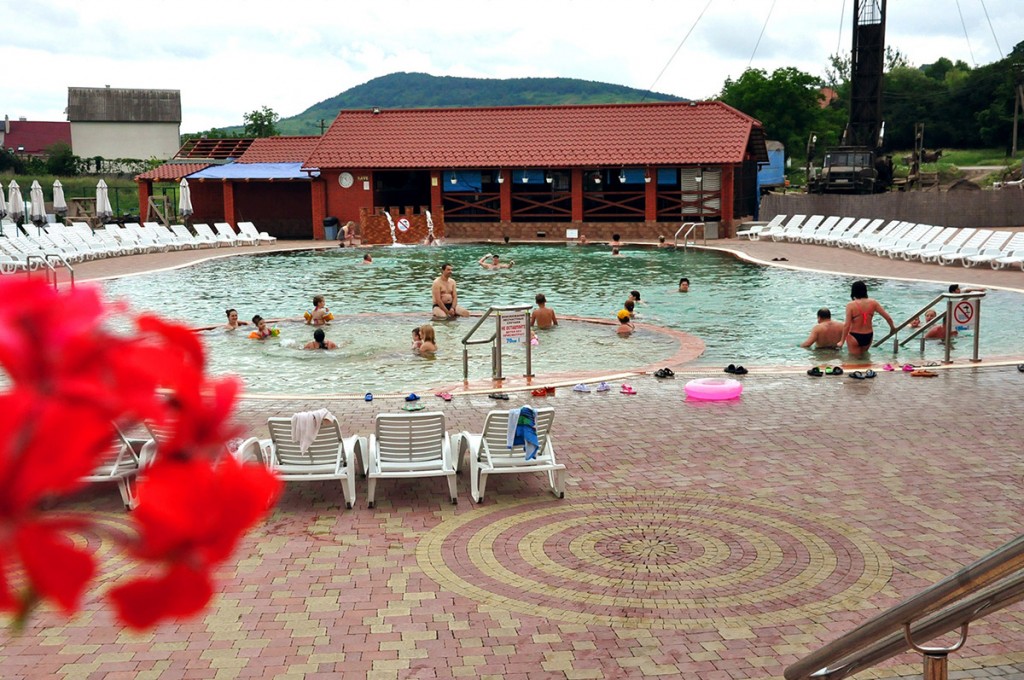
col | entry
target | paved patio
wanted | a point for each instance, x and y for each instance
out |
(711, 540)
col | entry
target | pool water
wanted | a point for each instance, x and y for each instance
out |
(745, 313)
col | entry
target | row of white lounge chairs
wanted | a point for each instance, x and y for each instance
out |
(968, 246)
(402, 445)
(76, 242)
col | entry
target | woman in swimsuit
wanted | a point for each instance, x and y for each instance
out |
(858, 332)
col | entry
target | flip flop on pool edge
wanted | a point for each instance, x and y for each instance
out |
(604, 387)
(498, 395)
(368, 397)
(444, 395)
(627, 389)
(857, 375)
(412, 397)
(539, 392)
(413, 406)
(582, 387)
(815, 372)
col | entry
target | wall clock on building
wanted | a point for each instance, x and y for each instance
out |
(345, 179)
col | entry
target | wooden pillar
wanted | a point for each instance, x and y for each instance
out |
(577, 195)
(505, 197)
(318, 197)
(436, 197)
(229, 202)
(145, 191)
(651, 197)
(728, 189)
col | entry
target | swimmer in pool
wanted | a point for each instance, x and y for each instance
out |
(494, 263)
(684, 285)
(233, 322)
(320, 314)
(263, 331)
(417, 339)
(367, 259)
(429, 343)
(319, 341)
(826, 333)
(938, 331)
(858, 333)
(625, 323)
(543, 316)
(445, 296)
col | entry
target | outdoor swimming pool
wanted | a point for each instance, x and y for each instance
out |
(746, 314)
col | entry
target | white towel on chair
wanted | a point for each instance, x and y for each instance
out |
(305, 425)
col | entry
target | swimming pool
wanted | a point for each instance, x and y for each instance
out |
(745, 313)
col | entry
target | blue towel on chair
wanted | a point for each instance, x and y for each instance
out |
(524, 434)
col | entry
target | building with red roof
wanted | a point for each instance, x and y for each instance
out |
(634, 169)
(33, 138)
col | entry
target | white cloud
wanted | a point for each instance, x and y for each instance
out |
(229, 57)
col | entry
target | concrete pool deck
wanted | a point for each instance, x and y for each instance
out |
(709, 540)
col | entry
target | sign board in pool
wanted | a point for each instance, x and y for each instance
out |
(513, 327)
(965, 315)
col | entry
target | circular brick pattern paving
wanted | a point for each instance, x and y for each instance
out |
(682, 560)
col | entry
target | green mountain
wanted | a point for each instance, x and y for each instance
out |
(421, 90)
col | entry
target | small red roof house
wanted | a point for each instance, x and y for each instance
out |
(33, 138)
(639, 170)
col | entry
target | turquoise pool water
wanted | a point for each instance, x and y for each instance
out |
(749, 314)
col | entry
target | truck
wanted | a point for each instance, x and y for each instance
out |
(857, 166)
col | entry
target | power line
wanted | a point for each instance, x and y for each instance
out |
(991, 29)
(763, 27)
(842, 20)
(966, 37)
(679, 47)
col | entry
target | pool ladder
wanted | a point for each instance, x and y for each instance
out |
(687, 229)
(955, 309)
(511, 325)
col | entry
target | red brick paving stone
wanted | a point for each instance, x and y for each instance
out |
(929, 478)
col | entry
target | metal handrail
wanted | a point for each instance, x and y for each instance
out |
(992, 583)
(692, 227)
(949, 299)
(467, 340)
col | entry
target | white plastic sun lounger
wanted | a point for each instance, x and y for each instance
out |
(987, 255)
(995, 238)
(825, 227)
(851, 236)
(758, 228)
(225, 230)
(249, 229)
(937, 239)
(793, 222)
(950, 245)
(204, 231)
(793, 232)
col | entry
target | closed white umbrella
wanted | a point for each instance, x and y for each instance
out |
(103, 210)
(3, 204)
(184, 199)
(37, 213)
(15, 203)
(60, 206)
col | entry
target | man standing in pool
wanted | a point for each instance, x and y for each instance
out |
(826, 334)
(445, 297)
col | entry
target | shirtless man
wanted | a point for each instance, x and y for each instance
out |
(494, 263)
(938, 331)
(446, 299)
(826, 334)
(543, 316)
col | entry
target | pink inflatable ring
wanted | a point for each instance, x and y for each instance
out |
(713, 389)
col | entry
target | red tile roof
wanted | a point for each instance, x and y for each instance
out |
(280, 149)
(34, 137)
(172, 171)
(549, 136)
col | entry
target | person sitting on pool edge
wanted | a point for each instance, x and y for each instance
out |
(625, 323)
(494, 263)
(826, 334)
(428, 345)
(543, 316)
(684, 285)
(319, 341)
(445, 296)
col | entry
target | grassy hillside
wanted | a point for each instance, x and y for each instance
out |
(421, 90)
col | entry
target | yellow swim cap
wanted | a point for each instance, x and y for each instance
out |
(623, 315)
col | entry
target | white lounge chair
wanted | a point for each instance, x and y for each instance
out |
(987, 255)
(934, 238)
(758, 228)
(950, 245)
(490, 454)
(982, 239)
(128, 241)
(204, 231)
(861, 227)
(873, 231)
(225, 230)
(772, 232)
(806, 227)
(249, 229)
(147, 238)
(909, 234)
(186, 236)
(119, 463)
(330, 456)
(164, 235)
(886, 236)
(826, 226)
(410, 445)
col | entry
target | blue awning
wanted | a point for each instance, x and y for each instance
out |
(252, 171)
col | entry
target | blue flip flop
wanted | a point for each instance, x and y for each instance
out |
(368, 397)
(412, 397)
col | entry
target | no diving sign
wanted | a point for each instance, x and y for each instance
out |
(965, 314)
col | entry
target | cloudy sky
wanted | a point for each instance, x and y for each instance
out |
(229, 57)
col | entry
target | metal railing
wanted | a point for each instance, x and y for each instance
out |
(46, 263)
(495, 339)
(952, 301)
(689, 228)
(994, 582)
